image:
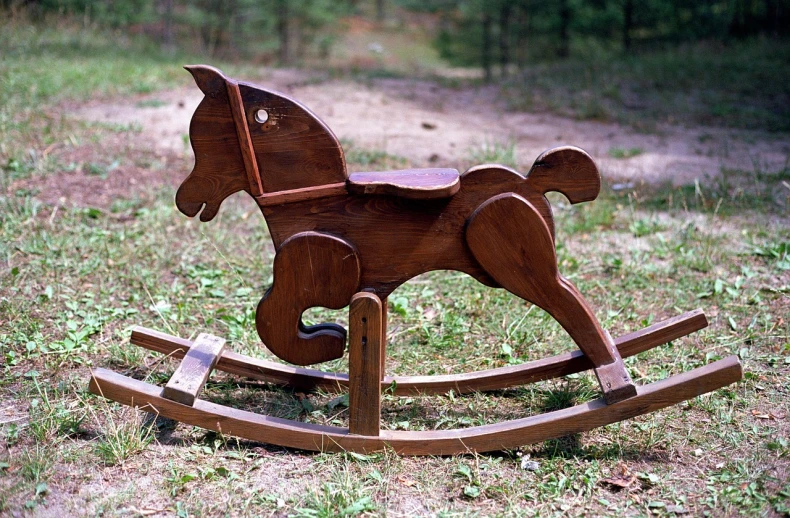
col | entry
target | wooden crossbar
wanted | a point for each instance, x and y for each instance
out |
(191, 375)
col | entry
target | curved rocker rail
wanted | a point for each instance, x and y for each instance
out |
(491, 379)
(506, 435)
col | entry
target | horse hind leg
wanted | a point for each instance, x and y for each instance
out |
(512, 242)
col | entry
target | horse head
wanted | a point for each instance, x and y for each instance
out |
(247, 138)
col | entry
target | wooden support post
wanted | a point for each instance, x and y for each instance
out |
(384, 316)
(191, 375)
(364, 365)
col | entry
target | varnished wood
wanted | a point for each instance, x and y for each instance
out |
(294, 148)
(364, 364)
(245, 142)
(510, 239)
(499, 436)
(415, 184)
(303, 194)
(384, 317)
(336, 236)
(398, 238)
(219, 166)
(461, 383)
(189, 378)
(310, 269)
(567, 170)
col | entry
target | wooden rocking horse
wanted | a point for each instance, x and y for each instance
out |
(350, 240)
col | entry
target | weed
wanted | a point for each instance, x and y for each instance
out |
(122, 436)
(178, 480)
(36, 463)
(776, 253)
(370, 158)
(51, 414)
(591, 217)
(343, 495)
(643, 227)
(620, 153)
(151, 103)
(494, 153)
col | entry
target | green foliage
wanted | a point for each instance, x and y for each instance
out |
(494, 153)
(617, 152)
(506, 32)
(740, 86)
(215, 27)
(124, 435)
(343, 495)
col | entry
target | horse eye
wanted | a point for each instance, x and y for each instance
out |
(261, 116)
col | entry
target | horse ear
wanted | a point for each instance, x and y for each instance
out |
(210, 80)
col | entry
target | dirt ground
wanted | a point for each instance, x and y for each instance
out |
(432, 125)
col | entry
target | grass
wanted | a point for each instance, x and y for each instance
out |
(76, 275)
(494, 153)
(741, 86)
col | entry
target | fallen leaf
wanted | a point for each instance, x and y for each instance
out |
(621, 478)
(429, 313)
(407, 481)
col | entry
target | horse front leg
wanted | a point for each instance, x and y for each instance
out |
(310, 269)
(512, 242)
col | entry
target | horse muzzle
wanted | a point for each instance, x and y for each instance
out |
(191, 198)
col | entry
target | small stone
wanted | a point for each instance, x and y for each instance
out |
(529, 465)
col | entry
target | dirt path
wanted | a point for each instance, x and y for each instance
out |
(433, 125)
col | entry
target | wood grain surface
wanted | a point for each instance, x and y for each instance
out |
(245, 142)
(415, 184)
(364, 364)
(293, 147)
(499, 436)
(219, 166)
(188, 380)
(511, 240)
(461, 383)
(310, 269)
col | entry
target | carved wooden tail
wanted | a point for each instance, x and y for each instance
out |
(567, 170)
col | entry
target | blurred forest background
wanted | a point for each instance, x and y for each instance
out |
(496, 34)
(720, 62)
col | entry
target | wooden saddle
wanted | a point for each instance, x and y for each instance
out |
(350, 240)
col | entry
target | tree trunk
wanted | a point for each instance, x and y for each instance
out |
(283, 30)
(628, 22)
(504, 37)
(380, 10)
(167, 25)
(486, 44)
(523, 25)
(565, 20)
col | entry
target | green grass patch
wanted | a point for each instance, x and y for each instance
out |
(739, 86)
(494, 153)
